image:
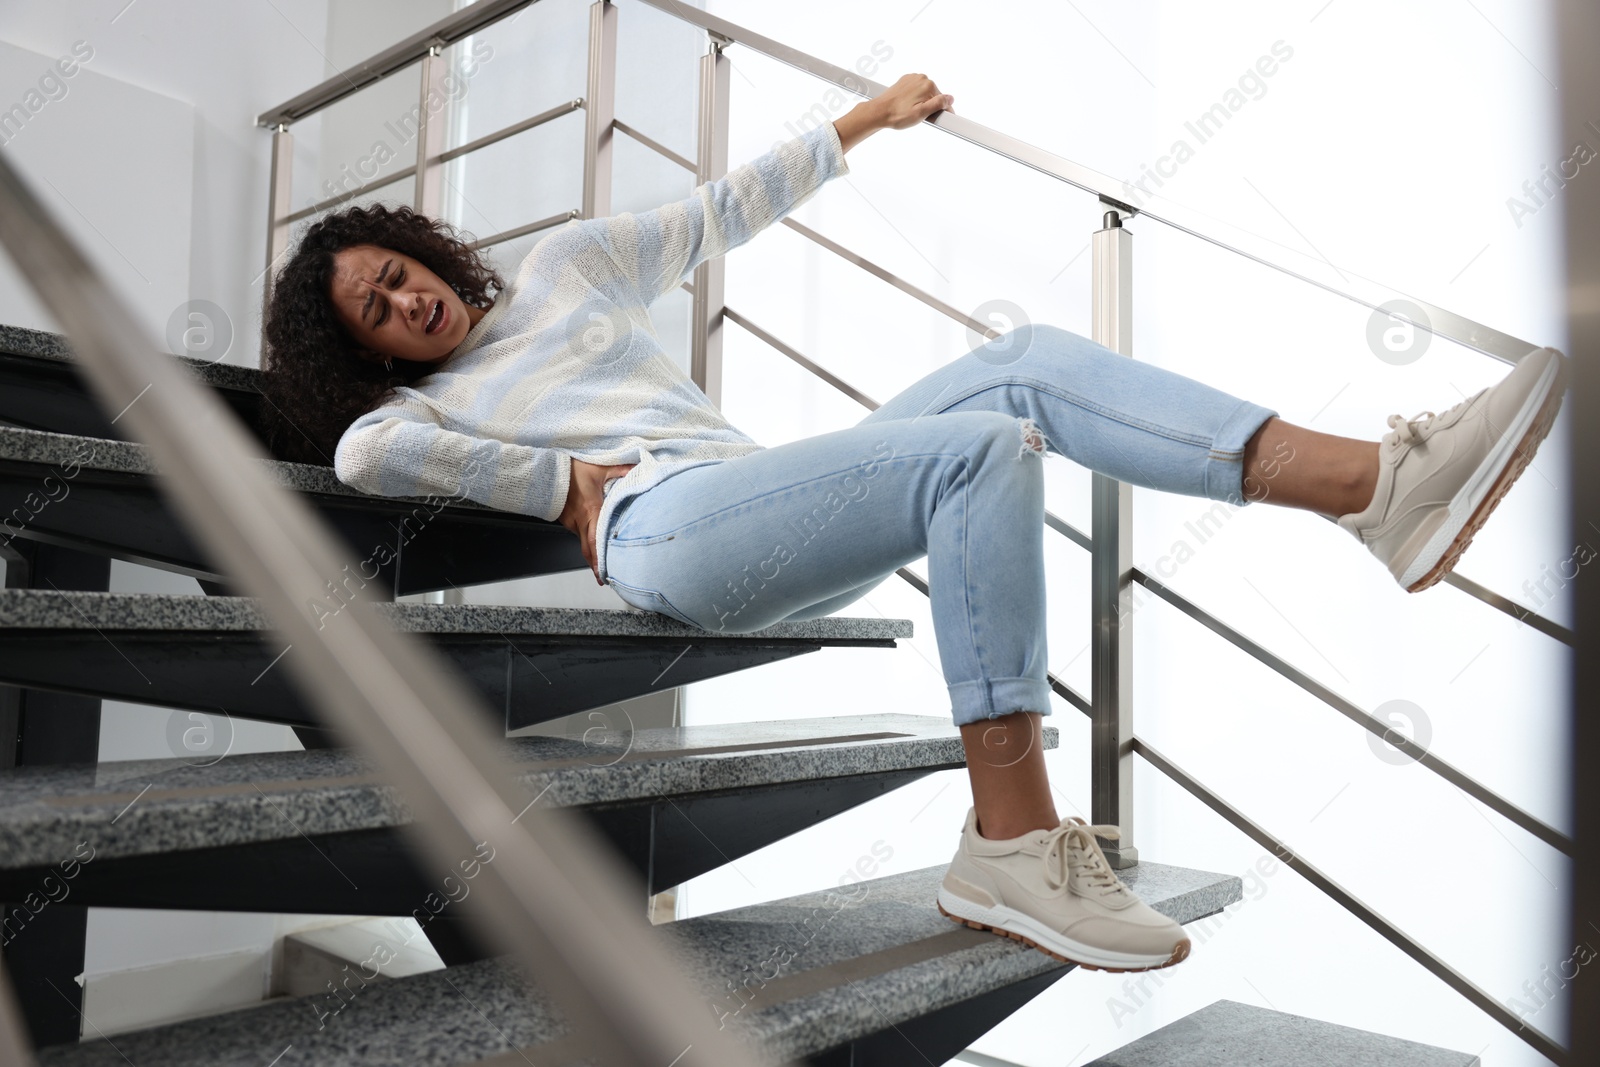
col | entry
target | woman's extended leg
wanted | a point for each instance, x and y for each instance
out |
(1139, 423)
(1146, 425)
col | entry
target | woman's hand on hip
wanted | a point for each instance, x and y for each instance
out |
(585, 495)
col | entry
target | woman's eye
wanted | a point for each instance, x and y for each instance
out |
(399, 276)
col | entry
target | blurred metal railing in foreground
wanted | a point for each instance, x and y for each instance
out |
(549, 894)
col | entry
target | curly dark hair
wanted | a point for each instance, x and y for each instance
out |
(314, 381)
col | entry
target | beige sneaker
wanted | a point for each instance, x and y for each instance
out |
(1054, 890)
(1439, 476)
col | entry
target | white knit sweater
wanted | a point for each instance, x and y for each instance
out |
(567, 364)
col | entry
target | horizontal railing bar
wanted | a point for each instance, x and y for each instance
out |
(1071, 532)
(893, 279)
(1070, 695)
(512, 130)
(1468, 785)
(444, 157)
(1052, 520)
(1548, 627)
(1371, 294)
(523, 231)
(1480, 999)
(1062, 689)
(828, 376)
(1436, 320)
(360, 190)
(396, 57)
(655, 146)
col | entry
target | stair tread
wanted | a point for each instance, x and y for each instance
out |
(41, 344)
(878, 958)
(56, 609)
(1228, 1033)
(145, 807)
(129, 457)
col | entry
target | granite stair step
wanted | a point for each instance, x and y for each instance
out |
(531, 664)
(103, 496)
(318, 832)
(40, 387)
(872, 974)
(1227, 1034)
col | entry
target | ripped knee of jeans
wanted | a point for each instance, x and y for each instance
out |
(1032, 438)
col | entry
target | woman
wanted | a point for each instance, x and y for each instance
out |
(394, 353)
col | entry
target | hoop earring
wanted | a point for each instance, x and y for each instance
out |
(388, 364)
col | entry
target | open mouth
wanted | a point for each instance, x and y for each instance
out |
(436, 320)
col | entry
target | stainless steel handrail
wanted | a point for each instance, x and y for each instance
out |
(396, 57)
(477, 16)
(1541, 1042)
(548, 892)
(444, 157)
(1465, 585)
(1364, 291)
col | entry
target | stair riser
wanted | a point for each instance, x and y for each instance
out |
(666, 840)
(526, 680)
(47, 395)
(122, 515)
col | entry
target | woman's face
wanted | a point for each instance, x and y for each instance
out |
(397, 308)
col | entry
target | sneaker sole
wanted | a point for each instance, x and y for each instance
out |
(1002, 920)
(1520, 458)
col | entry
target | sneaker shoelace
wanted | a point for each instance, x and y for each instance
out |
(1072, 845)
(1409, 431)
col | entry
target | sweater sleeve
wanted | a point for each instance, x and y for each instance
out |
(401, 450)
(657, 250)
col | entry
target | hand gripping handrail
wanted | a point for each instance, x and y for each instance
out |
(548, 892)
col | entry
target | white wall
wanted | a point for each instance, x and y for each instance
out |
(1388, 142)
(82, 120)
(228, 62)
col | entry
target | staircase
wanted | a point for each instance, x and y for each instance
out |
(316, 831)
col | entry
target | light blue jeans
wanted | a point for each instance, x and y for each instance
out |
(949, 469)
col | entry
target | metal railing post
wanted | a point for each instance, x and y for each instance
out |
(1111, 690)
(279, 186)
(599, 109)
(430, 132)
(711, 163)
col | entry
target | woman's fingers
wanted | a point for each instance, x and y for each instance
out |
(913, 98)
